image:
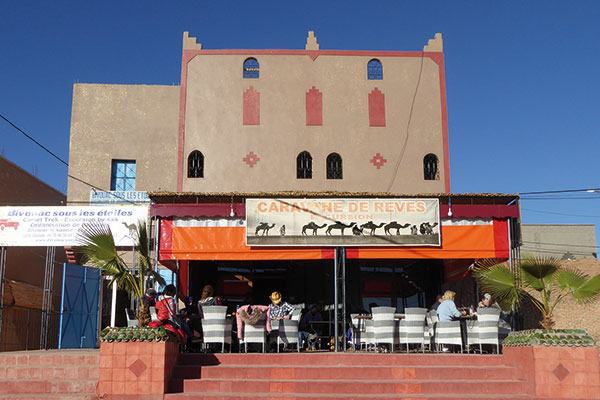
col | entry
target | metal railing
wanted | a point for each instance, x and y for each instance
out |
(22, 329)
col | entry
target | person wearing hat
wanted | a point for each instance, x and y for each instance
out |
(486, 302)
(279, 309)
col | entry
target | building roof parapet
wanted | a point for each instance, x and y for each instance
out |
(436, 44)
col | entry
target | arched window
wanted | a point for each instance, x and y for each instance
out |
(334, 166)
(430, 168)
(196, 165)
(374, 70)
(251, 68)
(304, 165)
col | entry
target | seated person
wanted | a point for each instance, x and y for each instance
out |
(191, 317)
(166, 312)
(447, 310)
(278, 309)
(486, 302)
(308, 331)
(208, 298)
(437, 303)
(150, 297)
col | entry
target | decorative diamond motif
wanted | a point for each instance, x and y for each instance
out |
(378, 160)
(138, 367)
(251, 159)
(561, 372)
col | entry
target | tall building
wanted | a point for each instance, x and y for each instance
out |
(292, 124)
(270, 120)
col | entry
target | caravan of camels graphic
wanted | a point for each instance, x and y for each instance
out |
(369, 228)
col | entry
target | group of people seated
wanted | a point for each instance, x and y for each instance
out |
(187, 324)
(447, 310)
(278, 310)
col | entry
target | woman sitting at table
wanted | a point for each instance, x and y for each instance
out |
(447, 310)
(207, 298)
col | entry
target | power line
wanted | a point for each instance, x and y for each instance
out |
(412, 105)
(65, 163)
(560, 191)
(556, 213)
(34, 141)
(562, 244)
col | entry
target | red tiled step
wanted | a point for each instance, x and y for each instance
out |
(400, 359)
(48, 397)
(286, 386)
(279, 396)
(429, 372)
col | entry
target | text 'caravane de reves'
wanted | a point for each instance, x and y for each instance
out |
(377, 206)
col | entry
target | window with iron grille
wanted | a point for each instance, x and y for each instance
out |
(123, 175)
(251, 68)
(430, 167)
(196, 165)
(304, 165)
(334, 166)
(374, 70)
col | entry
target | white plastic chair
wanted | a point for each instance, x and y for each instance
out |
(216, 328)
(384, 326)
(287, 333)
(131, 317)
(487, 327)
(256, 333)
(413, 328)
(448, 333)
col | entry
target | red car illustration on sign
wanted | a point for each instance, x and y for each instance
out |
(7, 223)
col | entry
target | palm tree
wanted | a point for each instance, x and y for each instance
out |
(544, 275)
(99, 250)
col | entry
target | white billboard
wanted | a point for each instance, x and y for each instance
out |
(58, 226)
(342, 222)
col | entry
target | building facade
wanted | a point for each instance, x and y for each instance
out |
(562, 241)
(287, 124)
(270, 120)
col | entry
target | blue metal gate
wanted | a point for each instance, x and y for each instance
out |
(79, 307)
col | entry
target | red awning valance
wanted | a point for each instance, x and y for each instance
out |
(496, 211)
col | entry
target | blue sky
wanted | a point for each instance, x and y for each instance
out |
(521, 77)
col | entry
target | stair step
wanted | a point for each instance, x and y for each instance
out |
(362, 359)
(345, 372)
(320, 396)
(288, 386)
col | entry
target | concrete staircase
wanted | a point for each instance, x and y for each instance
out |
(349, 376)
(52, 374)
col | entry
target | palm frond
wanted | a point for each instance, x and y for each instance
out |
(539, 272)
(500, 282)
(588, 291)
(570, 278)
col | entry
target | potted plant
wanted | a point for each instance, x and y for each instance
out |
(99, 251)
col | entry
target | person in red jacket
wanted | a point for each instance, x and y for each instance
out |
(166, 313)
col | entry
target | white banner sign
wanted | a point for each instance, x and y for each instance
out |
(58, 226)
(342, 222)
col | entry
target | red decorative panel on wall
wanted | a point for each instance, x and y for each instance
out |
(251, 107)
(376, 108)
(314, 107)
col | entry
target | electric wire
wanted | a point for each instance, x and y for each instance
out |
(404, 145)
(34, 141)
(64, 162)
